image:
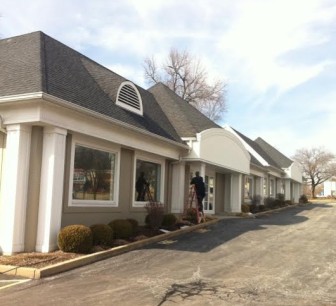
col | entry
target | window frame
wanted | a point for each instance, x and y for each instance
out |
(95, 203)
(154, 160)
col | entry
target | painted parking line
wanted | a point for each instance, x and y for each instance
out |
(9, 283)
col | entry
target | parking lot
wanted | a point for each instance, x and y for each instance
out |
(279, 258)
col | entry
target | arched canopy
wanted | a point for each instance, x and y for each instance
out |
(221, 148)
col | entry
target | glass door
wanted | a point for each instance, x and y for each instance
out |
(209, 200)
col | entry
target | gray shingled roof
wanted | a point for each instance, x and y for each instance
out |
(36, 62)
(185, 118)
(282, 161)
(272, 159)
(253, 145)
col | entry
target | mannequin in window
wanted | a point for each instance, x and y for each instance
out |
(141, 187)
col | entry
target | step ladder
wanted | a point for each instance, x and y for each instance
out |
(193, 203)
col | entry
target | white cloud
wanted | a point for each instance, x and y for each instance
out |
(243, 41)
(265, 30)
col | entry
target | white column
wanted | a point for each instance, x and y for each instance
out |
(202, 170)
(51, 189)
(296, 192)
(14, 189)
(259, 186)
(178, 188)
(287, 190)
(236, 192)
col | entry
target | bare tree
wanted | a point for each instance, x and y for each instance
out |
(318, 166)
(186, 76)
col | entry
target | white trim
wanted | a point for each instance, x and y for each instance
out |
(126, 106)
(94, 203)
(155, 160)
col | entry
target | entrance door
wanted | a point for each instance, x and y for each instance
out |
(209, 200)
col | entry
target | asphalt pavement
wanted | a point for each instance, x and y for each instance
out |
(279, 258)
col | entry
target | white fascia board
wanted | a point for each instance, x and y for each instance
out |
(248, 147)
(65, 103)
(219, 166)
(22, 97)
(70, 105)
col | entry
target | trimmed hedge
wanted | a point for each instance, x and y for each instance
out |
(102, 234)
(75, 239)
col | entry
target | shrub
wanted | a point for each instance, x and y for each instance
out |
(169, 220)
(269, 202)
(134, 223)
(245, 208)
(281, 197)
(122, 229)
(155, 212)
(303, 199)
(191, 215)
(254, 208)
(75, 239)
(147, 220)
(262, 207)
(256, 200)
(102, 234)
(288, 202)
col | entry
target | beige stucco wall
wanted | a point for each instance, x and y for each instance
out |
(125, 208)
(220, 193)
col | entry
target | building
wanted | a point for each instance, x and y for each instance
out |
(76, 137)
(329, 187)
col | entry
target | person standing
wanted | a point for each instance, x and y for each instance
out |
(199, 186)
(141, 187)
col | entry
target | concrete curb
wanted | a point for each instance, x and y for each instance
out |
(34, 273)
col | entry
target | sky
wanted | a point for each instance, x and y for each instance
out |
(277, 57)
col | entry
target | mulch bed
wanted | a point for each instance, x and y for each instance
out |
(40, 260)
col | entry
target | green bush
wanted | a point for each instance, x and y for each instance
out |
(102, 234)
(262, 207)
(288, 202)
(254, 208)
(75, 239)
(303, 199)
(155, 212)
(270, 202)
(169, 220)
(134, 223)
(122, 229)
(245, 208)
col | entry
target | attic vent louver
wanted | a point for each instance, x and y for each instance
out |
(128, 97)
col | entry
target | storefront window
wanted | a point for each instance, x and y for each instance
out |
(93, 174)
(147, 184)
